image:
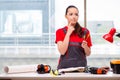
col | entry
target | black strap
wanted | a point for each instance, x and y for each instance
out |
(64, 30)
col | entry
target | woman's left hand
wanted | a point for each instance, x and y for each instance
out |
(84, 44)
(86, 48)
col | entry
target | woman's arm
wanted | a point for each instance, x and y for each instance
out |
(63, 45)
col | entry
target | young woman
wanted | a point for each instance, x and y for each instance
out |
(73, 41)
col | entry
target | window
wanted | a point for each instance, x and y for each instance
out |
(102, 15)
(27, 30)
(26, 22)
(101, 19)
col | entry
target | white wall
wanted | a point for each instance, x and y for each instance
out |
(96, 10)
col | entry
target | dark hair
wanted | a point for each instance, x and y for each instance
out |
(78, 28)
(71, 6)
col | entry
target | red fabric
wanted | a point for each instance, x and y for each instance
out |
(74, 37)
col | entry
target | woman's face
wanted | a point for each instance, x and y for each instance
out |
(72, 16)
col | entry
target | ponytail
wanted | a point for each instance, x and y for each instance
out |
(78, 29)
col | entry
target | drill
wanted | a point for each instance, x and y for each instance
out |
(96, 70)
(41, 69)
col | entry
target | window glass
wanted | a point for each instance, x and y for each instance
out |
(21, 23)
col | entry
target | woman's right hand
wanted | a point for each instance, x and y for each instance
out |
(70, 29)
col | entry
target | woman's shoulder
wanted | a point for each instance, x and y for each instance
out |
(85, 29)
